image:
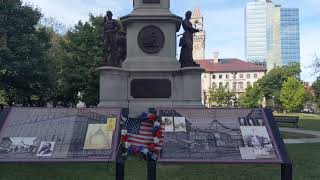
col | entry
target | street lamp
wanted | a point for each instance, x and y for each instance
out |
(234, 88)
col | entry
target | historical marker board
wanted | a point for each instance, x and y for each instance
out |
(221, 136)
(59, 134)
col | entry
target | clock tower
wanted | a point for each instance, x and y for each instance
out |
(199, 38)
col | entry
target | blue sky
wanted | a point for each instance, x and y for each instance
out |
(223, 19)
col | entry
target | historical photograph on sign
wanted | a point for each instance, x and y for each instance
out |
(242, 121)
(180, 124)
(111, 124)
(203, 136)
(168, 122)
(98, 137)
(247, 153)
(46, 149)
(258, 139)
(250, 121)
(18, 145)
(216, 135)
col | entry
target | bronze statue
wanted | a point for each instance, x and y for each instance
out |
(110, 52)
(121, 47)
(186, 42)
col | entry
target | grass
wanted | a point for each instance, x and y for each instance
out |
(306, 121)
(306, 167)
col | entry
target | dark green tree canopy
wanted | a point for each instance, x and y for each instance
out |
(23, 54)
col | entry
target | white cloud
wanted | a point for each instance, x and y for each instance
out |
(71, 11)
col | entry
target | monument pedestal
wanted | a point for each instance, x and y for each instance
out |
(151, 76)
(140, 90)
(113, 87)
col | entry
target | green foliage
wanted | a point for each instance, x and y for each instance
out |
(221, 97)
(316, 64)
(3, 98)
(292, 94)
(79, 54)
(316, 86)
(252, 98)
(271, 83)
(23, 54)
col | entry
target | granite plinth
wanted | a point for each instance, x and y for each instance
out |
(116, 88)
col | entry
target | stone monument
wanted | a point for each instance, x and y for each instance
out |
(151, 76)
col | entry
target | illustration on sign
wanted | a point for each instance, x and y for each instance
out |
(18, 145)
(256, 141)
(58, 134)
(216, 135)
(46, 149)
(98, 137)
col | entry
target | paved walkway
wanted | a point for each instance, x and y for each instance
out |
(302, 141)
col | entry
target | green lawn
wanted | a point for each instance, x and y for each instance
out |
(306, 167)
(306, 121)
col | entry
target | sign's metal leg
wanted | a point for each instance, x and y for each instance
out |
(286, 171)
(120, 170)
(152, 170)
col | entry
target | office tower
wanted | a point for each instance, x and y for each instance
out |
(290, 36)
(271, 34)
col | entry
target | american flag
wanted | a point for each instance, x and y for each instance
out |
(140, 133)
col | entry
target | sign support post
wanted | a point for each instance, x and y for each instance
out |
(152, 170)
(286, 171)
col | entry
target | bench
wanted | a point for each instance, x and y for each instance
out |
(288, 120)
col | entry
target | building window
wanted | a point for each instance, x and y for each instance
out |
(228, 85)
(227, 76)
(248, 76)
(241, 85)
(220, 85)
(241, 76)
(214, 85)
(248, 84)
(213, 76)
(255, 75)
(220, 76)
(205, 76)
(234, 86)
(234, 76)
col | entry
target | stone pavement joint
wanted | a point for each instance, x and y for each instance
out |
(304, 140)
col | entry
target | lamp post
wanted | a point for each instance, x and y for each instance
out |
(234, 87)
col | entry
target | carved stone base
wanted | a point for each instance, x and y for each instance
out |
(140, 90)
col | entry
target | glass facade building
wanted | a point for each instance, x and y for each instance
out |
(290, 36)
(256, 31)
(271, 34)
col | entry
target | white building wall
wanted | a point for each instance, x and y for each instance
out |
(241, 81)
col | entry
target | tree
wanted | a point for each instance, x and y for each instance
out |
(292, 94)
(316, 86)
(221, 97)
(252, 98)
(81, 55)
(23, 54)
(271, 83)
(316, 64)
(3, 98)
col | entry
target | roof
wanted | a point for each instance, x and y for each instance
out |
(230, 65)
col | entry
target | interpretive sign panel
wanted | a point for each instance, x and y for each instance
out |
(59, 135)
(219, 136)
